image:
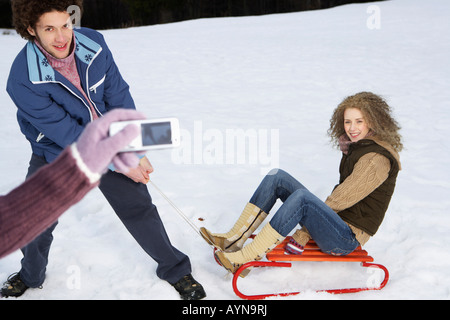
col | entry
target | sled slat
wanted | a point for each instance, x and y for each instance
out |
(312, 253)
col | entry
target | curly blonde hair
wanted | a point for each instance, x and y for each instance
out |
(26, 13)
(376, 112)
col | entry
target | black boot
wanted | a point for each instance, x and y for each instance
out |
(189, 288)
(13, 287)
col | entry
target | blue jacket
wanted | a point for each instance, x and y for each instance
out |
(52, 112)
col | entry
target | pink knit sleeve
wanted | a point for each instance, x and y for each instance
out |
(36, 204)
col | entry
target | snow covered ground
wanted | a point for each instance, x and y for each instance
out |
(278, 78)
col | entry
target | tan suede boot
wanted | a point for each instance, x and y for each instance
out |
(263, 243)
(250, 219)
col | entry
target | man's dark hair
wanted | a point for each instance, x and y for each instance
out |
(26, 13)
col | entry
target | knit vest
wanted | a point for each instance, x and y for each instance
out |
(368, 213)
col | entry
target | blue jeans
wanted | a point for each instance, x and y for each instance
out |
(301, 207)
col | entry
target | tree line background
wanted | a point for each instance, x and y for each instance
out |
(110, 14)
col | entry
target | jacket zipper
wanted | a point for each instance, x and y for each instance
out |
(88, 93)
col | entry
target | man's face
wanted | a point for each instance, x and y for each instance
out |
(54, 33)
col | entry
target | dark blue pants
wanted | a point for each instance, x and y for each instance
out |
(133, 205)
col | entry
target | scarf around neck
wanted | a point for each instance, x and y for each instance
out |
(344, 141)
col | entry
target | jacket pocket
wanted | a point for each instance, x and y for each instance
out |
(98, 84)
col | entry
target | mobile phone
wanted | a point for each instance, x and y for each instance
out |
(154, 134)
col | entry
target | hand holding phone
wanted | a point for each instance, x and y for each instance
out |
(154, 134)
(97, 149)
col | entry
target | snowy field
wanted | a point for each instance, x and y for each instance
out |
(276, 78)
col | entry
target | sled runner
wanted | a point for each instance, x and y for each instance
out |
(278, 259)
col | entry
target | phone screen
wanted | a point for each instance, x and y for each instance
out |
(156, 133)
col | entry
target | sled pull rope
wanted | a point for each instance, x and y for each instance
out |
(189, 222)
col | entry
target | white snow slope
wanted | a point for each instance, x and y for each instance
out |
(278, 79)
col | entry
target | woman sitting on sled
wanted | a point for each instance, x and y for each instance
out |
(368, 137)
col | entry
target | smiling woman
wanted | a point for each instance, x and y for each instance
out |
(376, 114)
(353, 212)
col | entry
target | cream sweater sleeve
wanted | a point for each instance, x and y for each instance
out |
(368, 174)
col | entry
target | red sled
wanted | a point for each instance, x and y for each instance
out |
(278, 259)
